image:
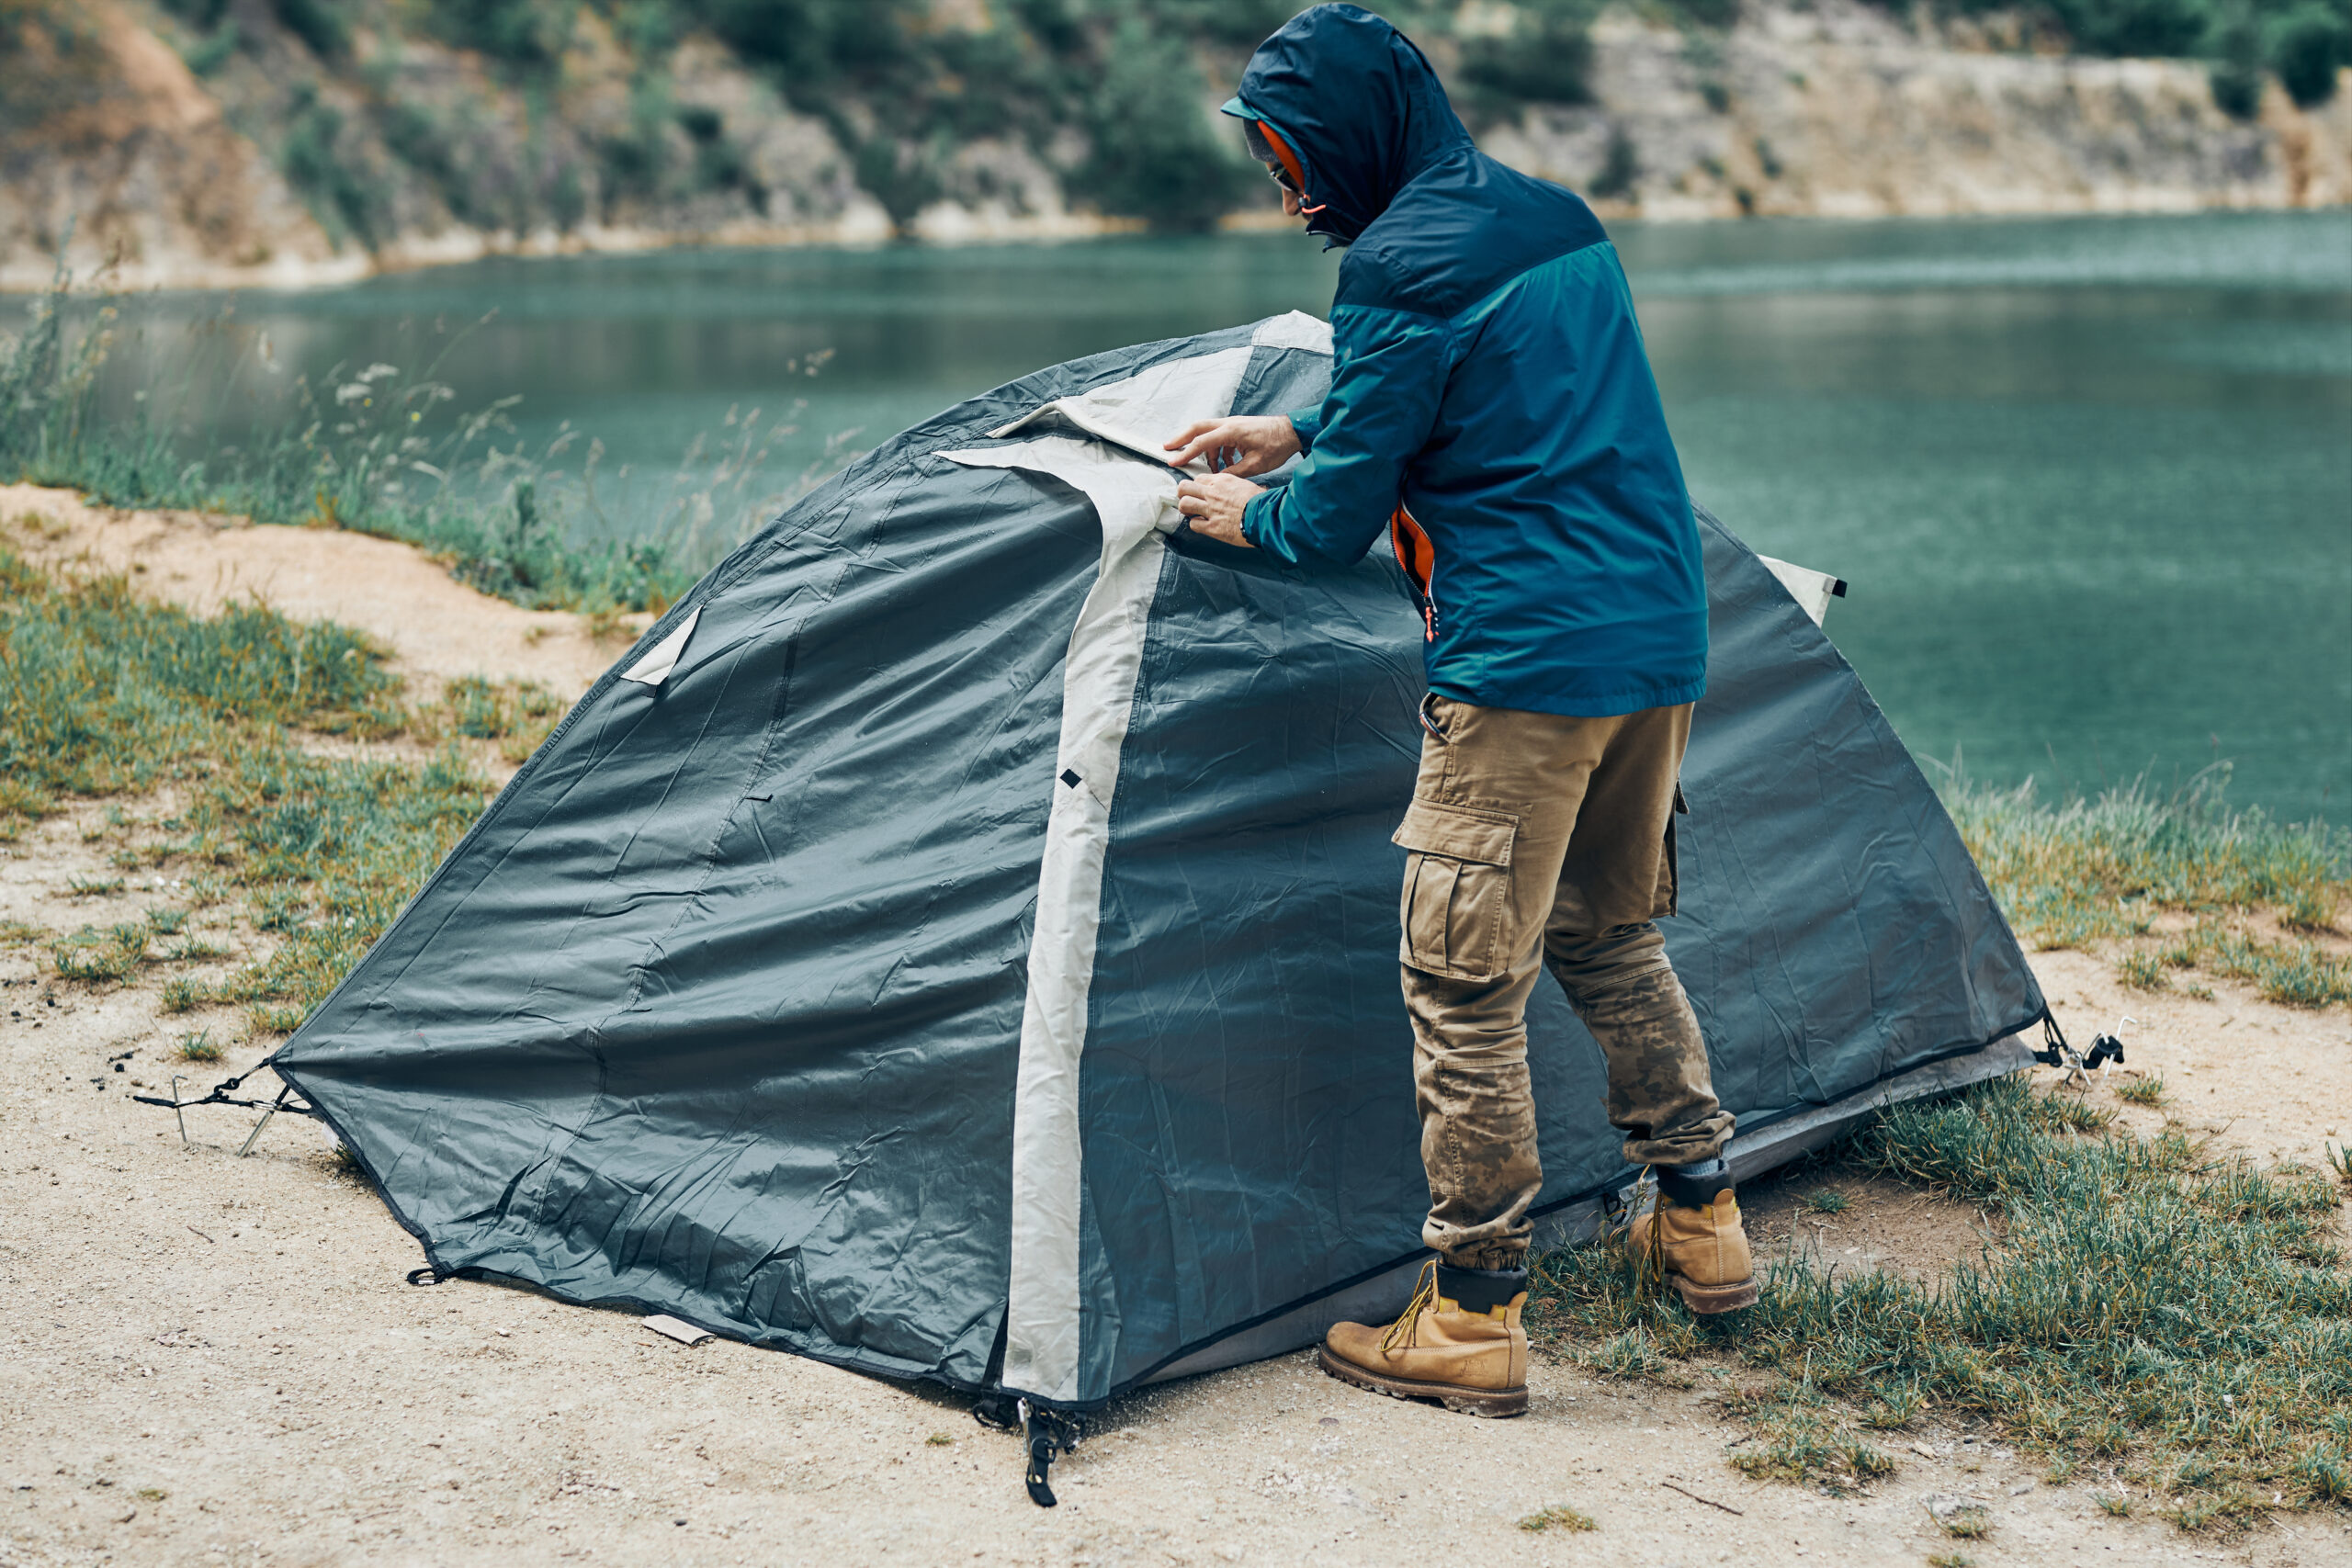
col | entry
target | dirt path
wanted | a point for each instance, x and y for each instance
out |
(437, 628)
(208, 1359)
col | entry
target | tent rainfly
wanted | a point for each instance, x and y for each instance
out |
(959, 941)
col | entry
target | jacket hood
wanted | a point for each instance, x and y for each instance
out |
(1357, 104)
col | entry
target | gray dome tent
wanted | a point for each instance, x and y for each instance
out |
(959, 941)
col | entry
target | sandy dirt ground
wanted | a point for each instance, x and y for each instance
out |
(390, 591)
(211, 1359)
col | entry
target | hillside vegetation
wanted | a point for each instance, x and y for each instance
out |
(198, 140)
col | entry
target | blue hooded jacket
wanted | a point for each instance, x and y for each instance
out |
(1491, 404)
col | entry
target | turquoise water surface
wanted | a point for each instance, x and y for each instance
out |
(2090, 478)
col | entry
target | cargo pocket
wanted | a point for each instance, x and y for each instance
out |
(1668, 900)
(1457, 889)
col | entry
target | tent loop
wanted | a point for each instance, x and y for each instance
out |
(431, 1274)
(1046, 1433)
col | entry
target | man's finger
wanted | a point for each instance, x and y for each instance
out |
(1192, 433)
(1215, 439)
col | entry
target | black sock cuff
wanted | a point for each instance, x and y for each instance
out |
(1694, 1185)
(1479, 1290)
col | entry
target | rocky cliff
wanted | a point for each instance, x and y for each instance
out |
(237, 143)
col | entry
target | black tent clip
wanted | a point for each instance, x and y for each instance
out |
(1045, 1433)
(2056, 1053)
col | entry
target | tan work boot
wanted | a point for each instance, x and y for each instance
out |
(1694, 1240)
(1468, 1358)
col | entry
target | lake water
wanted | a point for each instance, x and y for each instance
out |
(2090, 478)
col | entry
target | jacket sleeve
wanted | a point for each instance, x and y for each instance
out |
(1385, 388)
(1308, 422)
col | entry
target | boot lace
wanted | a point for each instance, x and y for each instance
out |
(1407, 1330)
(1649, 1255)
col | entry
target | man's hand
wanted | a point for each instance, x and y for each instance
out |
(1215, 504)
(1240, 445)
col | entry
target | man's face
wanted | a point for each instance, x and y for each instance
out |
(1293, 206)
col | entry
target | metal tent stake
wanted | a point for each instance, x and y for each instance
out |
(256, 1133)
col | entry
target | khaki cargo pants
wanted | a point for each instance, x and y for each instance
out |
(1536, 838)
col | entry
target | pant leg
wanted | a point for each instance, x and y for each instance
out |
(1618, 874)
(1492, 812)
(1661, 1092)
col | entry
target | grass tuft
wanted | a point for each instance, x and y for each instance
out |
(2294, 974)
(2085, 870)
(1968, 1524)
(2309, 909)
(2142, 1091)
(90, 953)
(276, 1018)
(518, 714)
(1559, 1517)
(2143, 972)
(1826, 1201)
(197, 1047)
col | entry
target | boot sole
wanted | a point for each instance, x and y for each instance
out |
(1707, 1299)
(1488, 1402)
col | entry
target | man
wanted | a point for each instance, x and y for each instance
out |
(1492, 407)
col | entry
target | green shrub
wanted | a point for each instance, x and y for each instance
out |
(529, 34)
(2306, 48)
(2234, 42)
(416, 138)
(1545, 58)
(1156, 155)
(814, 39)
(316, 165)
(211, 51)
(2175, 27)
(319, 24)
(1619, 167)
